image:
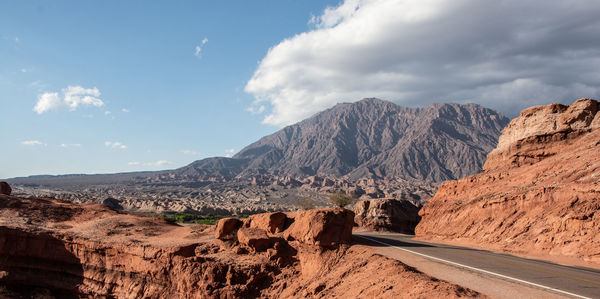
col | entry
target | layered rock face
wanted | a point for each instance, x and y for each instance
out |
(89, 250)
(387, 214)
(539, 193)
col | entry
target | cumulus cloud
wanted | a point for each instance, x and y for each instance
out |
(33, 143)
(198, 49)
(229, 153)
(154, 164)
(506, 55)
(115, 144)
(125, 110)
(71, 97)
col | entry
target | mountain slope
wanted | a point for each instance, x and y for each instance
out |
(373, 138)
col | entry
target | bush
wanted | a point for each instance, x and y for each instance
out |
(306, 203)
(341, 199)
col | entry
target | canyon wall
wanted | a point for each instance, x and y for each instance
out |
(88, 250)
(539, 193)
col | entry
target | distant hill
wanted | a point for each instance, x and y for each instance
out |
(370, 139)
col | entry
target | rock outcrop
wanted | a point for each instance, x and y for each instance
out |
(387, 214)
(227, 228)
(5, 188)
(66, 250)
(539, 193)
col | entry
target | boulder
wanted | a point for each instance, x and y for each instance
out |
(226, 228)
(254, 238)
(5, 188)
(322, 227)
(270, 222)
(387, 214)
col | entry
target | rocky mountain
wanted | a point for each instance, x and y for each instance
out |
(370, 139)
(539, 193)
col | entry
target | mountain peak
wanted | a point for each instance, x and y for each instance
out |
(374, 138)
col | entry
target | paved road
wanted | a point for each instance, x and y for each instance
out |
(577, 282)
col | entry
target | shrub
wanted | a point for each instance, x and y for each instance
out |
(341, 199)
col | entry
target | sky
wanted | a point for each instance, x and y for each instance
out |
(115, 86)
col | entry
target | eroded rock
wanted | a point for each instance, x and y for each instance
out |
(254, 238)
(322, 227)
(389, 214)
(538, 193)
(226, 228)
(5, 188)
(270, 222)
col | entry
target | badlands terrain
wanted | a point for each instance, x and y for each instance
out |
(536, 196)
(54, 248)
(371, 148)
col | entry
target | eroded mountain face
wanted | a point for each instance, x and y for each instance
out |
(539, 192)
(371, 139)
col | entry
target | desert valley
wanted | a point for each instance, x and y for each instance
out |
(300, 149)
(536, 195)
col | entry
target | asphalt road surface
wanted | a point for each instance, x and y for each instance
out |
(577, 282)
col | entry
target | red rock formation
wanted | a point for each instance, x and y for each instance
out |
(226, 228)
(270, 222)
(539, 193)
(5, 188)
(324, 227)
(387, 214)
(91, 251)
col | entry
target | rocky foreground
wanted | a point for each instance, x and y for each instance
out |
(539, 193)
(62, 249)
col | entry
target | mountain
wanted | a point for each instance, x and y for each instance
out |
(370, 138)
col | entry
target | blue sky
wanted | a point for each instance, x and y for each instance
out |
(140, 55)
(111, 86)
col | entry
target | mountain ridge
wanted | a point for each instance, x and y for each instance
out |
(371, 138)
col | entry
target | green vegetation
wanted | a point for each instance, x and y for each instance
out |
(341, 199)
(197, 218)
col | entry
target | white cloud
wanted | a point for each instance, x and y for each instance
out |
(256, 110)
(229, 153)
(198, 49)
(115, 144)
(125, 110)
(191, 152)
(24, 70)
(33, 143)
(154, 164)
(422, 51)
(65, 145)
(107, 112)
(72, 97)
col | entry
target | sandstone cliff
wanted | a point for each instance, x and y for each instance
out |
(69, 250)
(539, 193)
